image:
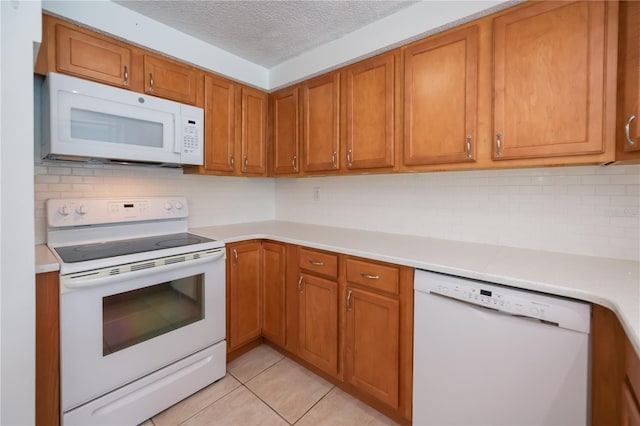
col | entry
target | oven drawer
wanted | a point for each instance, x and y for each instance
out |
(148, 396)
(318, 262)
(373, 275)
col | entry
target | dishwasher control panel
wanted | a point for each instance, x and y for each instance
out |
(508, 300)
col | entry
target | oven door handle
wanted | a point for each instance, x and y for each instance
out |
(81, 281)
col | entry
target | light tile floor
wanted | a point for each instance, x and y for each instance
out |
(263, 387)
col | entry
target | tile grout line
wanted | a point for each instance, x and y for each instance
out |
(313, 406)
(265, 403)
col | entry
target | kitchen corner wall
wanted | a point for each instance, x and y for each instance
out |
(581, 210)
(213, 200)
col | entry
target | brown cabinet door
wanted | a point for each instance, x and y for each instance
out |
(245, 275)
(219, 124)
(630, 407)
(370, 112)
(629, 78)
(273, 292)
(286, 131)
(254, 131)
(47, 349)
(170, 80)
(321, 127)
(440, 99)
(549, 80)
(319, 322)
(372, 344)
(94, 58)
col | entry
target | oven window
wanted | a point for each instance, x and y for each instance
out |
(138, 315)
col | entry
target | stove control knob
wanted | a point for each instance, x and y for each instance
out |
(81, 210)
(178, 205)
(64, 210)
(168, 206)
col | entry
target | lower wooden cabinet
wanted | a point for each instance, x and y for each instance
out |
(371, 344)
(319, 322)
(615, 372)
(244, 304)
(47, 349)
(274, 292)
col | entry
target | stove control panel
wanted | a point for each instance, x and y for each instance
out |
(96, 211)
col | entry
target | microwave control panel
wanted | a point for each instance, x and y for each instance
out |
(192, 138)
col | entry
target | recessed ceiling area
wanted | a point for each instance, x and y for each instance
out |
(269, 32)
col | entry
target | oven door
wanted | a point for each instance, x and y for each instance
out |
(116, 329)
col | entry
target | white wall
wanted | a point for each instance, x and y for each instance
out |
(581, 210)
(19, 28)
(213, 200)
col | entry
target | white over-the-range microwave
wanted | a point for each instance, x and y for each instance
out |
(83, 120)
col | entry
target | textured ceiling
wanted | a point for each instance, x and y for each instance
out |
(265, 32)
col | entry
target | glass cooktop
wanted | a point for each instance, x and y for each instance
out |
(85, 252)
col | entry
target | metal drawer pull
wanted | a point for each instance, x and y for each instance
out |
(235, 257)
(349, 163)
(300, 283)
(316, 262)
(349, 301)
(246, 163)
(126, 75)
(369, 277)
(232, 161)
(150, 81)
(294, 163)
(468, 146)
(627, 131)
(498, 144)
(334, 160)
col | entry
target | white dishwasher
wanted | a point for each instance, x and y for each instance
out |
(491, 355)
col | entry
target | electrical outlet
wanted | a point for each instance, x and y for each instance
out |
(316, 193)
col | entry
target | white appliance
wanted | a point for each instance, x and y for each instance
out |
(142, 307)
(85, 120)
(491, 355)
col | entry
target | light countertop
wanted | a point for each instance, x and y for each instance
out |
(612, 283)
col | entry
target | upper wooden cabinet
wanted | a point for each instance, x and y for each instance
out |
(628, 125)
(285, 128)
(440, 99)
(321, 123)
(219, 124)
(169, 79)
(550, 79)
(92, 57)
(253, 131)
(370, 107)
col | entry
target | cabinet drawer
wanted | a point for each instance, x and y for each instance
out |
(373, 275)
(318, 262)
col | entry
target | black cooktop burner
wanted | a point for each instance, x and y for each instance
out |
(85, 252)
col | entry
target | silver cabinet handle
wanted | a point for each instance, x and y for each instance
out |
(498, 144)
(334, 160)
(316, 262)
(349, 301)
(468, 146)
(245, 164)
(627, 132)
(235, 257)
(232, 162)
(294, 163)
(151, 81)
(300, 280)
(369, 277)
(126, 76)
(349, 163)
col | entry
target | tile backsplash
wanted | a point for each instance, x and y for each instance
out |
(581, 210)
(213, 200)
